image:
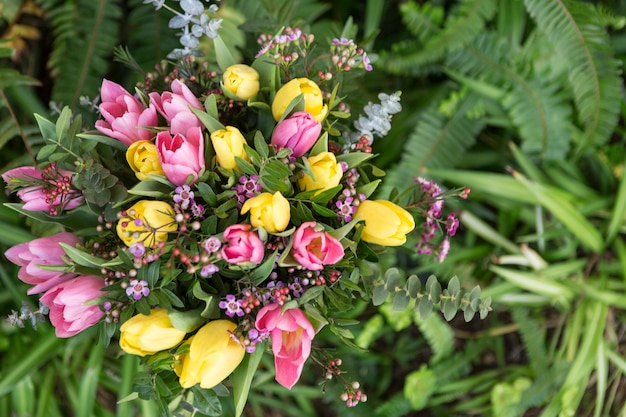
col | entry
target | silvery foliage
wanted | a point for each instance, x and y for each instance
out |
(194, 22)
(377, 118)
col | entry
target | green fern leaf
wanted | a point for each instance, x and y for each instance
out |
(87, 32)
(438, 334)
(438, 141)
(575, 29)
(422, 20)
(533, 338)
(463, 24)
(148, 37)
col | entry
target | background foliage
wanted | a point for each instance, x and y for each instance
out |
(520, 100)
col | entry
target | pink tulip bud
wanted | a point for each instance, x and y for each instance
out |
(291, 333)
(181, 155)
(313, 248)
(175, 107)
(298, 133)
(242, 245)
(125, 118)
(70, 309)
(30, 256)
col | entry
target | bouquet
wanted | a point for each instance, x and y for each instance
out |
(224, 211)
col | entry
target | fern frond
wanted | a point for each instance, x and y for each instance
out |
(438, 141)
(438, 334)
(576, 31)
(542, 115)
(537, 107)
(533, 338)
(147, 35)
(87, 31)
(422, 20)
(463, 24)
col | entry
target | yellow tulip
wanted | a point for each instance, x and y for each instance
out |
(269, 211)
(229, 143)
(386, 223)
(148, 222)
(145, 335)
(241, 81)
(327, 173)
(213, 355)
(143, 158)
(313, 100)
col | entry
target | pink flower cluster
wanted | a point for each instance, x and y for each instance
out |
(180, 149)
(69, 296)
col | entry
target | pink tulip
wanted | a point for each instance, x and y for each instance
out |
(313, 248)
(175, 107)
(44, 194)
(181, 155)
(291, 333)
(242, 245)
(31, 255)
(125, 118)
(298, 133)
(69, 303)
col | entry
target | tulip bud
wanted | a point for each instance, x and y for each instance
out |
(241, 81)
(271, 212)
(327, 173)
(298, 133)
(228, 143)
(145, 335)
(148, 222)
(143, 158)
(313, 101)
(386, 223)
(214, 353)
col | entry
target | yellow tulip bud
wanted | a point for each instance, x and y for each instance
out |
(386, 223)
(229, 143)
(327, 173)
(213, 355)
(269, 211)
(241, 81)
(145, 335)
(148, 222)
(313, 100)
(143, 158)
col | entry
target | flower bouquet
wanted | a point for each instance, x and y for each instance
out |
(225, 211)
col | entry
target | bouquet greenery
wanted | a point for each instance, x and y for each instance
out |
(223, 210)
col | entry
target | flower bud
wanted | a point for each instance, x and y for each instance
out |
(241, 81)
(145, 335)
(148, 222)
(228, 143)
(313, 101)
(298, 133)
(386, 223)
(143, 159)
(269, 211)
(327, 173)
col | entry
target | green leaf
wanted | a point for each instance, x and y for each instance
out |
(260, 274)
(212, 124)
(63, 123)
(224, 57)
(243, 376)
(82, 258)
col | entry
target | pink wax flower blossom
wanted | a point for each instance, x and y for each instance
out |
(174, 106)
(291, 333)
(48, 190)
(298, 133)
(30, 256)
(125, 117)
(181, 155)
(313, 247)
(70, 306)
(242, 245)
